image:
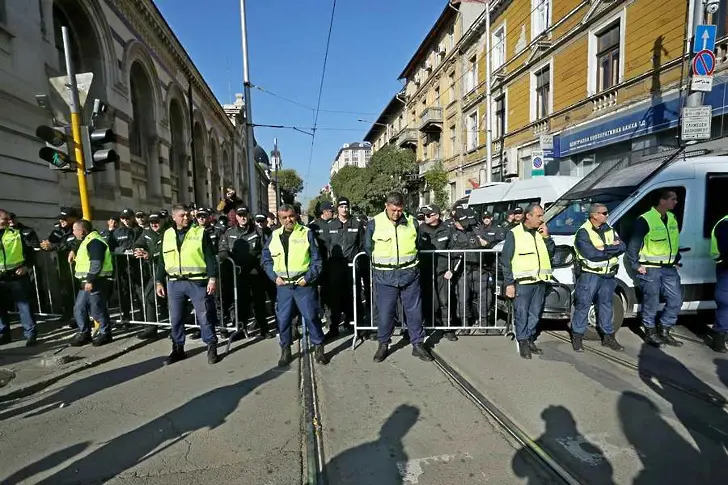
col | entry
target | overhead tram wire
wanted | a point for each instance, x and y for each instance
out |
(283, 98)
(320, 93)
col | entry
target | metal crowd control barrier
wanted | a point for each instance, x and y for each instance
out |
(46, 281)
(134, 292)
(487, 291)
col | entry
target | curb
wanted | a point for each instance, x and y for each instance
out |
(31, 387)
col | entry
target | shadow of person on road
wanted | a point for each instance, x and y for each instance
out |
(83, 388)
(666, 456)
(562, 439)
(207, 411)
(380, 462)
(706, 422)
(721, 369)
(50, 461)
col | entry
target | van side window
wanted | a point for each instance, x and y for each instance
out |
(716, 187)
(626, 222)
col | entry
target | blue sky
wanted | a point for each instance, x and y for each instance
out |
(372, 41)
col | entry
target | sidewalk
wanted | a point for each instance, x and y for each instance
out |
(31, 369)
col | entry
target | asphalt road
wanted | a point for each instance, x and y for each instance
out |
(133, 421)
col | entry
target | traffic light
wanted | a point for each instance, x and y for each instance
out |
(97, 155)
(58, 151)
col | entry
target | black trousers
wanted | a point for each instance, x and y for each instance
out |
(435, 299)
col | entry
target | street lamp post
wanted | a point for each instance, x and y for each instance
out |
(252, 166)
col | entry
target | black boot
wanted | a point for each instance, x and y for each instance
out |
(419, 351)
(719, 343)
(381, 353)
(611, 343)
(652, 338)
(31, 341)
(177, 354)
(5, 338)
(148, 333)
(669, 339)
(319, 355)
(576, 342)
(81, 339)
(212, 357)
(524, 349)
(286, 357)
(102, 339)
(533, 348)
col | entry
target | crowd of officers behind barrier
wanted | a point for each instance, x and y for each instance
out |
(307, 272)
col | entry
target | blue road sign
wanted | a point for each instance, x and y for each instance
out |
(704, 38)
(704, 63)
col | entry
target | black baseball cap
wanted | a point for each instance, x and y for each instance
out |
(154, 217)
(163, 213)
(67, 212)
(430, 209)
(242, 210)
(140, 214)
(326, 206)
(127, 214)
(260, 217)
(203, 211)
(343, 201)
(462, 214)
(487, 214)
(518, 210)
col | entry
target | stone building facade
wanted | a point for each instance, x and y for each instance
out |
(174, 139)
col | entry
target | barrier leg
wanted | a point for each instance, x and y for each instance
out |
(239, 327)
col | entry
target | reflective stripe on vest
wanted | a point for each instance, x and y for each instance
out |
(531, 262)
(11, 250)
(714, 251)
(189, 261)
(598, 267)
(299, 254)
(83, 259)
(661, 243)
(395, 245)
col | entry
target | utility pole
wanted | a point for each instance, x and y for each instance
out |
(74, 106)
(277, 166)
(254, 202)
(695, 98)
(488, 101)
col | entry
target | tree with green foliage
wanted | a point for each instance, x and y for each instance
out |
(352, 182)
(313, 203)
(436, 179)
(291, 184)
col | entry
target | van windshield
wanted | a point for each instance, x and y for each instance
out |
(609, 184)
(567, 215)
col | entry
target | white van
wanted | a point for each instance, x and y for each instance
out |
(629, 188)
(500, 197)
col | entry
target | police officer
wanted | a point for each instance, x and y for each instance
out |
(489, 232)
(319, 226)
(121, 244)
(719, 252)
(243, 243)
(62, 240)
(206, 221)
(15, 258)
(148, 247)
(189, 260)
(346, 240)
(508, 222)
(111, 225)
(597, 247)
(517, 216)
(471, 285)
(653, 253)
(391, 243)
(434, 235)
(30, 237)
(142, 219)
(94, 269)
(291, 259)
(526, 261)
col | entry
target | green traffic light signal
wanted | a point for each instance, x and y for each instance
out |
(54, 157)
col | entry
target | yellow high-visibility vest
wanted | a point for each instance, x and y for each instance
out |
(11, 250)
(531, 262)
(598, 267)
(189, 261)
(714, 252)
(299, 254)
(661, 243)
(83, 261)
(395, 245)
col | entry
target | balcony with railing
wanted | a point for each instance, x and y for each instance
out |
(431, 119)
(427, 165)
(407, 137)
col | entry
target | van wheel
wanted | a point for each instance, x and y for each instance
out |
(618, 318)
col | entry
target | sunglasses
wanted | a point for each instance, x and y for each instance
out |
(605, 213)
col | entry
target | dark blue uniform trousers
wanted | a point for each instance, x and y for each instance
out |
(665, 282)
(305, 299)
(93, 303)
(16, 289)
(721, 301)
(411, 304)
(205, 310)
(597, 289)
(528, 306)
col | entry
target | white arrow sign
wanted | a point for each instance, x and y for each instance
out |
(706, 36)
(63, 86)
